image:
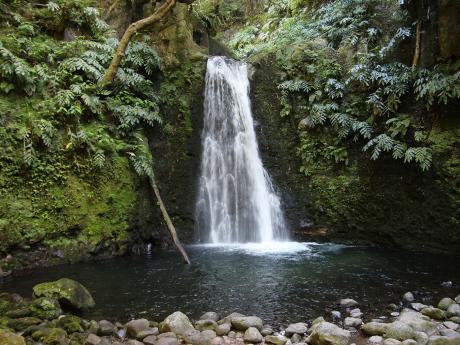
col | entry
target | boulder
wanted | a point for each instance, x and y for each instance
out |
(375, 340)
(374, 328)
(106, 328)
(166, 341)
(453, 310)
(9, 338)
(267, 330)
(296, 328)
(348, 303)
(208, 334)
(352, 322)
(296, 338)
(45, 308)
(210, 315)
(442, 340)
(242, 323)
(408, 297)
(228, 318)
(421, 338)
(223, 329)
(326, 333)
(445, 303)
(276, 339)
(418, 321)
(177, 322)
(134, 327)
(93, 339)
(196, 337)
(399, 330)
(434, 313)
(202, 325)
(149, 340)
(68, 292)
(148, 332)
(391, 341)
(252, 335)
(418, 306)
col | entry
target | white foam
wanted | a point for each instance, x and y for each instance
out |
(261, 248)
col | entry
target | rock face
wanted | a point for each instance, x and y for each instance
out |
(68, 292)
(244, 322)
(177, 322)
(9, 338)
(326, 333)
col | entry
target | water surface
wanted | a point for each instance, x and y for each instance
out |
(280, 283)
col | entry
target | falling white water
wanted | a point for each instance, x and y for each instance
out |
(236, 201)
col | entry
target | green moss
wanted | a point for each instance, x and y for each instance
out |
(45, 308)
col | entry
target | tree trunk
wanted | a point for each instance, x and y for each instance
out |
(130, 31)
(168, 221)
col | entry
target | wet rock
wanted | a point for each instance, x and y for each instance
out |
(45, 308)
(252, 335)
(22, 323)
(93, 339)
(352, 322)
(391, 341)
(223, 329)
(71, 324)
(166, 341)
(409, 342)
(195, 337)
(228, 318)
(172, 334)
(421, 338)
(326, 333)
(447, 284)
(68, 292)
(177, 322)
(418, 321)
(205, 324)
(418, 306)
(148, 332)
(408, 297)
(457, 299)
(296, 338)
(276, 339)
(210, 315)
(450, 325)
(453, 310)
(348, 303)
(399, 330)
(434, 313)
(106, 328)
(356, 313)
(394, 314)
(54, 336)
(455, 319)
(267, 330)
(9, 338)
(217, 341)
(375, 340)
(449, 333)
(208, 334)
(134, 327)
(244, 322)
(445, 303)
(336, 315)
(133, 342)
(442, 340)
(296, 328)
(121, 333)
(149, 340)
(374, 328)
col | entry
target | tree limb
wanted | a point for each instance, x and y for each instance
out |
(168, 221)
(130, 31)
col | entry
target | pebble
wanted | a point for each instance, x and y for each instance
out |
(336, 315)
(447, 284)
(299, 328)
(352, 322)
(348, 303)
(375, 340)
(394, 314)
(356, 313)
(408, 297)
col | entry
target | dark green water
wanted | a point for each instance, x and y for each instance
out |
(279, 286)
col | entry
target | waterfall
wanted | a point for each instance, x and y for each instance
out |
(236, 200)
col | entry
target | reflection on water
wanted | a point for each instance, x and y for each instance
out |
(283, 282)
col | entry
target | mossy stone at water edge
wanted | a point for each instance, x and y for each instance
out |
(9, 338)
(45, 308)
(68, 292)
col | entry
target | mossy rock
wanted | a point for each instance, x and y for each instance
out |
(4, 306)
(68, 292)
(71, 323)
(45, 308)
(51, 336)
(23, 323)
(9, 338)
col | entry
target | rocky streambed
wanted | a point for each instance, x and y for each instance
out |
(50, 317)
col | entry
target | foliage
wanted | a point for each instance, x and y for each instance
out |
(339, 74)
